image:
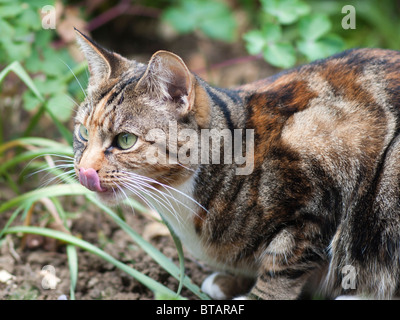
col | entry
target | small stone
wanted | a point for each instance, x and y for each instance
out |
(6, 277)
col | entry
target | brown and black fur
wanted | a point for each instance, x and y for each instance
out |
(325, 189)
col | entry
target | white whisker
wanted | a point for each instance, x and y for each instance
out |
(150, 188)
(75, 77)
(154, 197)
(166, 187)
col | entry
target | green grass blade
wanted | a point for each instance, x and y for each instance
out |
(73, 268)
(72, 189)
(34, 141)
(34, 120)
(23, 75)
(10, 220)
(31, 154)
(145, 280)
(178, 245)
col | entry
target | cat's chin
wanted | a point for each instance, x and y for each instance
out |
(108, 197)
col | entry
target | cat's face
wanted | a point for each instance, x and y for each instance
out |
(124, 124)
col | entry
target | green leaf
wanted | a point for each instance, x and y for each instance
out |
(50, 86)
(60, 106)
(11, 10)
(314, 26)
(30, 19)
(318, 49)
(6, 28)
(213, 18)
(30, 101)
(53, 63)
(280, 55)
(256, 40)
(181, 22)
(39, 4)
(286, 11)
(219, 27)
(17, 50)
(42, 38)
(272, 32)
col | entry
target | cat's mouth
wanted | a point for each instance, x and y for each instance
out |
(90, 179)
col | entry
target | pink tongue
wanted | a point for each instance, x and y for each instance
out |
(90, 179)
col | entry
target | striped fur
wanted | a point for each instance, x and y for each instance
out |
(325, 188)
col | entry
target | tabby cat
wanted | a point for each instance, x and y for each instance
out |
(323, 192)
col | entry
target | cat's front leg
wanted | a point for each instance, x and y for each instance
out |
(283, 285)
(268, 286)
(286, 279)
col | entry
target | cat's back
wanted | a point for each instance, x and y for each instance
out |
(340, 71)
(348, 104)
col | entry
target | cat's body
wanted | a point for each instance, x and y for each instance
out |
(324, 192)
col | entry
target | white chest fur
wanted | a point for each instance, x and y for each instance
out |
(179, 211)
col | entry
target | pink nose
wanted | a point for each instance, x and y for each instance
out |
(90, 179)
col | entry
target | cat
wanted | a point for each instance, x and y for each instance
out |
(319, 209)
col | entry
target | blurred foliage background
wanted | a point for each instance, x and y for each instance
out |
(208, 33)
(43, 75)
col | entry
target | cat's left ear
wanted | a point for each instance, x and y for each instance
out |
(103, 64)
(168, 78)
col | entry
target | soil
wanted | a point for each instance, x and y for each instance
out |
(224, 65)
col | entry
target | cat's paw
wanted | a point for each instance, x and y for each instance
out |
(222, 286)
(210, 287)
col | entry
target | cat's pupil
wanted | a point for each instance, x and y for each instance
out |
(125, 140)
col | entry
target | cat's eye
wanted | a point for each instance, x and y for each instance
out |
(83, 133)
(126, 140)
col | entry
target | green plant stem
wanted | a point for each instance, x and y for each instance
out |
(73, 268)
(34, 121)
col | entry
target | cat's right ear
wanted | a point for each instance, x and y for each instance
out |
(103, 64)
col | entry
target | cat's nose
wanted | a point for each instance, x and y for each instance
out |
(90, 179)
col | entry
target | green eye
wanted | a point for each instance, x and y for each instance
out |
(126, 140)
(83, 133)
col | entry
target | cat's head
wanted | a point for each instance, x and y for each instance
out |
(124, 124)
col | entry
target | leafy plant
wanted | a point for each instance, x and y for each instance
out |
(23, 39)
(213, 18)
(290, 28)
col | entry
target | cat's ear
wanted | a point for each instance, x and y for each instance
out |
(103, 64)
(168, 78)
